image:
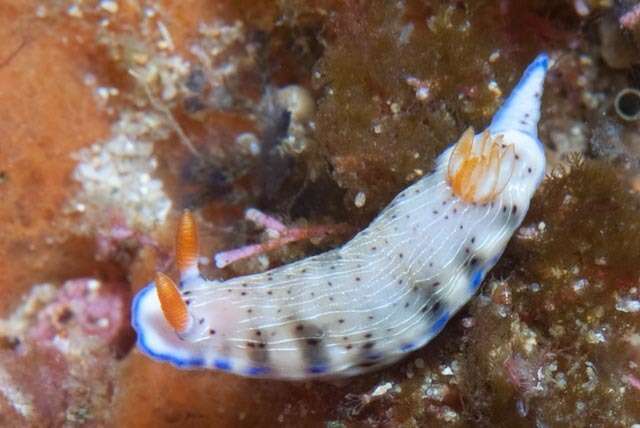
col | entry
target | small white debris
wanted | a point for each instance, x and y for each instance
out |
(446, 371)
(405, 34)
(468, 322)
(74, 11)
(109, 6)
(579, 285)
(421, 87)
(494, 88)
(626, 304)
(297, 101)
(534, 287)
(360, 199)
(167, 40)
(41, 11)
(382, 389)
(495, 55)
(581, 8)
(249, 143)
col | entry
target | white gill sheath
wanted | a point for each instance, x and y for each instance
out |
(389, 290)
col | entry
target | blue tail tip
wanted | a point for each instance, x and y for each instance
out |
(542, 60)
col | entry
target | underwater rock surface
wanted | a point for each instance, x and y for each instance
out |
(117, 115)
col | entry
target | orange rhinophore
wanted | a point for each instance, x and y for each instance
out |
(173, 307)
(187, 243)
(479, 168)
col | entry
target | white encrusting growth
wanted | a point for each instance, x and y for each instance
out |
(388, 291)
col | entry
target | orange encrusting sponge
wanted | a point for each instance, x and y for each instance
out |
(187, 242)
(173, 307)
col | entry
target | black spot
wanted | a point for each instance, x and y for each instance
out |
(514, 209)
(473, 261)
(394, 216)
(332, 267)
(341, 321)
(251, 345)
(244, 284)
(401, 255)
(461, 227)
(270, 293)
(187, 302)
(212, 332)
(357, 278)
(249, 311)
(331, 298)
(201, 321)
(517, 157)
(504, 209)
(244, 293)
(373, 248)
(436, 307)
(400, 281)
(446, 217)
(406, 305)
(299, 327)
(370, 317)
(303, 271)
(349, 346)
(329, 283)
(289, 291)
(368, 345)
(467, 250)
(258, 333)
(368, 336)
(435, 211)
(313, 341)
(529, 170)
(186, 293)
(473, 239)
(313, 294)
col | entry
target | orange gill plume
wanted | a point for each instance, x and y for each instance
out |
(187, 243)
(480, 168)
(173, 307)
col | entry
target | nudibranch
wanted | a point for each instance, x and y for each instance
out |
(388, 291)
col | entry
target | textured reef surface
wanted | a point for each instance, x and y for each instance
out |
(116, 115)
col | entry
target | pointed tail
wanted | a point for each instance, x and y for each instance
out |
(521, 111)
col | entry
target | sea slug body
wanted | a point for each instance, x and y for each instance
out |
(388, 291)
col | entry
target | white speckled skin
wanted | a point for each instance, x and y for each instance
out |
(389, 290)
